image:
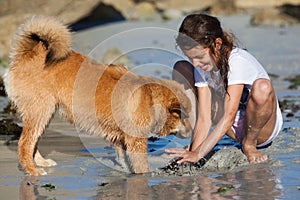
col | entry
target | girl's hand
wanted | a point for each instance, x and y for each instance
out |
(187, 156)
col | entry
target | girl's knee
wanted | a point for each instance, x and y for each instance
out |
(262, 91)
(183, 67)
(182, 64)
(183, 72)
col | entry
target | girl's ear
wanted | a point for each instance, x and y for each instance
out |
(218, 42)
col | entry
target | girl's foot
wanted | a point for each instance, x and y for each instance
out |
(253, 155)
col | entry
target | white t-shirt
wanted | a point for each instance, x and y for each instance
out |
(243, 69)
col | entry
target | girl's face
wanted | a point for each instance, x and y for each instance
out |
(200, 57)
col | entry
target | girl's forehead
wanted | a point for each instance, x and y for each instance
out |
(195, 50)
(198, 48)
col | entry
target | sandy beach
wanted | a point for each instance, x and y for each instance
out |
(86, 167)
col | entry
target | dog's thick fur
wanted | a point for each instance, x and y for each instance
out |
(104, 100)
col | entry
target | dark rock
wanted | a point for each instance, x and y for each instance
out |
(9, 127)
(224, 7)
(272, 17)
(291, 10)
(2, 88)
(10, 109)
(294, 80)
(101, 14)
(290, 115)
(289, 106)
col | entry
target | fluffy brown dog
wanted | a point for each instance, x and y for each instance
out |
(108, 101)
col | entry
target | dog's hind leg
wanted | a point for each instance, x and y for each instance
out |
(27, 147)
(35, 120)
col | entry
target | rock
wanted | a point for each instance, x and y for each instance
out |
(186, 6)
(255, 4)
(294, 81)
(226, 159)
(127, 7)
(9, 127)
(224, 7)
(101, 14)
(291, 10)
(223, 160)
(2, 88)
(272, 17)
(14, 12)
(86, 13)
(10, 109)
(172, 14)
(134, 9)
(145, 11)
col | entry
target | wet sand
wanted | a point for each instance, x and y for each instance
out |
(86, 167)
(83, 175)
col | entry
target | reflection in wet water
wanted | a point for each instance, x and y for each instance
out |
(252, 183)
(249, 184)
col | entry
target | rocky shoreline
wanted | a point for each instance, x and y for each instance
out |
(88, 13)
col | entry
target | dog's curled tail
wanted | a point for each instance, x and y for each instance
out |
(49, 31)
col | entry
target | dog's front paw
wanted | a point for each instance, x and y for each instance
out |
(46, 163)
(50, 163)
(42, 162)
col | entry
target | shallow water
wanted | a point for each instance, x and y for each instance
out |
(86, 167)
(79, 175)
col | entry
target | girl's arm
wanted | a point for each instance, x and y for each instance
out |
(232, 100)
(204, 117)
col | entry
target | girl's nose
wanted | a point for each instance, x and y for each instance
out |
(195, 62)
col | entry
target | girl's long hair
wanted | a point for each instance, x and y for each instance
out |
(202, 29)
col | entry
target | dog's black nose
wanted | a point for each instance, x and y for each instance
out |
(174, 133)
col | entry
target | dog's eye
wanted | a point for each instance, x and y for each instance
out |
(176, 113)
(179, 113)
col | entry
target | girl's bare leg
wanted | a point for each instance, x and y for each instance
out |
(183, 72)
(260, 119)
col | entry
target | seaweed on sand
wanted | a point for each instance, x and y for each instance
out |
(186, 168)
(9, 130)
(294, 80)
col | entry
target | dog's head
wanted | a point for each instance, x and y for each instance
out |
(178, 121)
(178, 108)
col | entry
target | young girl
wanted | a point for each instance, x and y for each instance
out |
(234, 93)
